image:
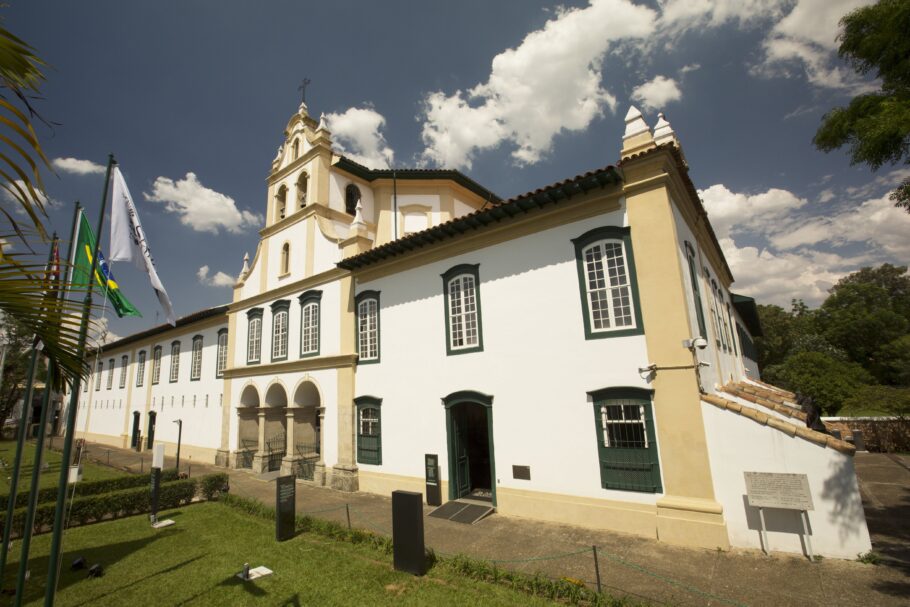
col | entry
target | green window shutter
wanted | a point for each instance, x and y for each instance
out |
(369, 430)
(696, 291)
(630, 461)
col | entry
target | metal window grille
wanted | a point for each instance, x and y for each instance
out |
(609, 294)
(463, 312)
(369, 439)
(221, 362)
(156, 365)
(254, 340)
(368, 329)
(175, 361)
(196, 365)
(280, 335)
(310, 331)
(123, 364)
(140, 369)
(626, 445)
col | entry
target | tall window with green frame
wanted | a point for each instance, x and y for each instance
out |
(626, 442)
(367, 305)
(464, 326)
(310, 302)
(369, 430)
(696, 290)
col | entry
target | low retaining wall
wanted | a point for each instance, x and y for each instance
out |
(880, 434)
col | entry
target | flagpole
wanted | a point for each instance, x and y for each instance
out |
(20, 444)
(73, 242)
(53, 561)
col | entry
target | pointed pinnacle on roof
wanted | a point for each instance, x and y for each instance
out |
(635, 123)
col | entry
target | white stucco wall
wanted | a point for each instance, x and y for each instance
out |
(337, 184)
(536, 364)
(737, 444)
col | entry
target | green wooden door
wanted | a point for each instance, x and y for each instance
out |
(460, 448)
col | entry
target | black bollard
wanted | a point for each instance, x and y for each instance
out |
(407, 532)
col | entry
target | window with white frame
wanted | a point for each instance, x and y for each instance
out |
(309, 323)
(156, 365)
(140, 368)
(124, 362)
(221, 356)
(626, 442)
(254, 336)
(280, 330)
(110, 374)
(98, 375)
(369, 430)
(606, 274)
(368, 327)
(196, 362)
(175, 362)
(462, 301)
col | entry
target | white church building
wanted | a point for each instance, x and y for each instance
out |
(573, 354)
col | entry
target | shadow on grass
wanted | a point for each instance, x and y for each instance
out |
(248, 587)
(106, 555)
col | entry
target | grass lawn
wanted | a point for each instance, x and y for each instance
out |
(49, 477)
(194, 563)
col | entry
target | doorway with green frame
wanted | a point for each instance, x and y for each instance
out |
(469, 431)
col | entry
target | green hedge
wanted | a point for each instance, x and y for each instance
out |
(49, 494)
(92, 508)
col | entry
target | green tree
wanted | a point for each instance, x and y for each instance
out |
(876, 126)
(829, 381)
(777, 338)
(894, 362)
(879, 400)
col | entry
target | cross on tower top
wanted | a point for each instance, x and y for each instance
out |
(302, 89)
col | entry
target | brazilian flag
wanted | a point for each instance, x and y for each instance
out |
(82, 265)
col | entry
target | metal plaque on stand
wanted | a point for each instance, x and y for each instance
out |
(285, 506)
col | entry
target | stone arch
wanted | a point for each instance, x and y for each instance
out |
(302, 182)
(249, 396)
(276, 395)
(307, 393)
(307, 413)
(281, 203)
(247, 425)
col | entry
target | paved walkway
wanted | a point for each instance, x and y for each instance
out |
(630, 565)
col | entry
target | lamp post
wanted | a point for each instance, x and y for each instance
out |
(179, 423)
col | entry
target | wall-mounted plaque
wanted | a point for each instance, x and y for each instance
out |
(778, 490)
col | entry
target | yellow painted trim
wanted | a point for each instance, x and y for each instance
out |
(130, 380)
(226, 402)
(582, 207)
(346, 447)
(301, 285)
(305, 364)
(383, 483)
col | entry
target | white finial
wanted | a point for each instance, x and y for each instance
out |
(244, 272)
(322, 126)
(635, 124)
(303, 109)
(278, 154)
(663, 132)
(358, 222)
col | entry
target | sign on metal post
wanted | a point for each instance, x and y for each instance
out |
(783, 490)
(155, 492)
(285, 506)
(431, 466)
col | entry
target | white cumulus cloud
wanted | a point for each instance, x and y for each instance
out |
(220, 279)
(201, 208)
(731, 212)
(548, 84)
(358, 134)
(78, 166)
(657, 93)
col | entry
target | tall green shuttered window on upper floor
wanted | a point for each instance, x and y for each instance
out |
(254, 336)
(369, 430)
(696, 290)
(367, 304)
(310, 302)
(607, 283)
(626, 442)
(464, 326)
(140, 369)
(221, 356)
(280, 313)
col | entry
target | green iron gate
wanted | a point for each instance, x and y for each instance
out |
(276, 448)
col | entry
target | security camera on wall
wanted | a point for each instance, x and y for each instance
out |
(696, 342)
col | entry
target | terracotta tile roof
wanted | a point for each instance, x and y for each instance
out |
(769, 398)
(760, 417)
(516, 206)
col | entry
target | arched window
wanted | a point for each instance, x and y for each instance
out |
(296, 148)
(221, 358)
(351, 198)
(156, 364)
(280, 330)
(110, 374)
(124, 362)
(461, 287)
(302, 183)
(196, 363)
(281, 202)
(140, 369)
(285, 258)
(606, 274)
(175, 362)
(254, 336)
(98, 375)
(368, 327)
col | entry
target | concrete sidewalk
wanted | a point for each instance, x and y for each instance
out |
(629, 565)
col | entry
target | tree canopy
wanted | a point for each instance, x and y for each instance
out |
(876, 125)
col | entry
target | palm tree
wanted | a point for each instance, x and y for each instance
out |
(24, 282)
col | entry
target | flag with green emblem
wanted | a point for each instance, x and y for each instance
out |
(82, 265)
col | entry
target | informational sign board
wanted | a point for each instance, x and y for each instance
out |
(285, 506)
(431, 466)
(778, 490)
(408, 549)
(158, 456)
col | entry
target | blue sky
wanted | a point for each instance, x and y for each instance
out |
(192, 98)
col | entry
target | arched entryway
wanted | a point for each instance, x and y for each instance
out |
(275, 437)
(305, 436)
(248, 427)
(469, 428)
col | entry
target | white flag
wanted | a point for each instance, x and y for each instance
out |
(128, 242)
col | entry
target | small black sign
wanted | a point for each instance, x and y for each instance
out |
(522, 473)
(431, 469)
(407, 532)
(285, 506)
(155, 490)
